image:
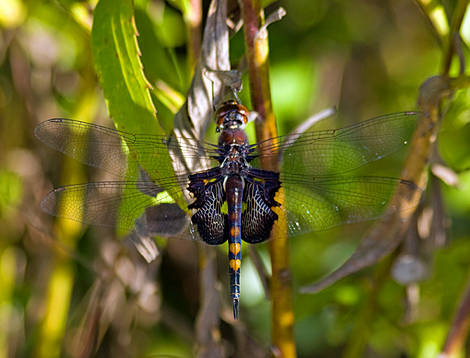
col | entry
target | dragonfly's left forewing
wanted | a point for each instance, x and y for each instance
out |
(338, 151)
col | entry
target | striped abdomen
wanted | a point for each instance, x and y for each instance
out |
(234, 197)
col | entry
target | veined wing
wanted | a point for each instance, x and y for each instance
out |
(316, 204)
(108, 148)
(116, 203)
(337, 151)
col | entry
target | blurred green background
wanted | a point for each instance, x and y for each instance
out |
(65, 288)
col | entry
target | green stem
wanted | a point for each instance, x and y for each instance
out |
(456, 23)
(193, 20)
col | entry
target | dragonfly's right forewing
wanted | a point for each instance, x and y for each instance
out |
(110, 149)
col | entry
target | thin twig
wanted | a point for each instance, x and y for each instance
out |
(459, 52)
(425, 9)
(459, 329)
(456, 23)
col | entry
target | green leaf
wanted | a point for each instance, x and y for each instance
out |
(170, 28)
(183, 5)
(117, 62)
(119, 69)
(155, 57)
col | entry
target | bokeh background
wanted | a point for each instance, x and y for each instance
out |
(65, 289)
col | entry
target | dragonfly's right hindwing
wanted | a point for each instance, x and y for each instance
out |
(209, 197)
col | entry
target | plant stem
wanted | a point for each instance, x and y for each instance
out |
(257, 50)
(458, 331)
(193, 20)
(460, 325)
(455, 25)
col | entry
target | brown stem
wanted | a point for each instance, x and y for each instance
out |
(460, 325)
(257, 50)
(424, 7)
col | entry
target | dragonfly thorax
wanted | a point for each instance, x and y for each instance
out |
(234, 162)
(233, 150)
(231, 136)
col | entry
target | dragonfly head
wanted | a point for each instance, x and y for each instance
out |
(231, 114)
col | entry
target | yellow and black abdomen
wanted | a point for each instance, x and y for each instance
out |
(234, 198)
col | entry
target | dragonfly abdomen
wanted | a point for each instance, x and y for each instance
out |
(234, 197)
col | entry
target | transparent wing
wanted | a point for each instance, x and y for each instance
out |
(337, 151)
(108, 148)
(119, 203)
(319, 204)
(316, 194)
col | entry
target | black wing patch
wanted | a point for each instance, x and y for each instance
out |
(210, 196)
(258, 218)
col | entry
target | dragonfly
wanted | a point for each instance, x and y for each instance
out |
(235, 199)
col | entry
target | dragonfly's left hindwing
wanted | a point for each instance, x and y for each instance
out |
(258, 217)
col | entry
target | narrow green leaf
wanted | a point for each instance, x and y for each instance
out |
(119, 69)
(117, 62)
